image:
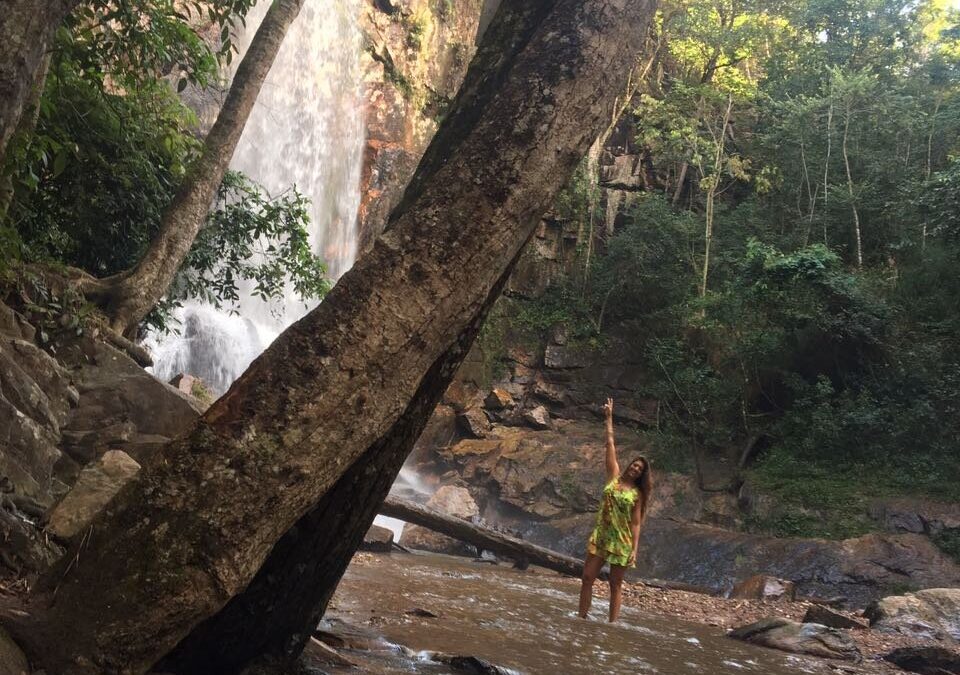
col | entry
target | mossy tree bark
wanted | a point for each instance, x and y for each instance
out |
(129, 296)
(234, 542)
(27, 28)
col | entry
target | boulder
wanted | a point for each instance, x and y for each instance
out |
(550, 392)
(926, 660)
(932, 613)
(455, 501)
(562, 357)
(473, 423)
(377, 540)
(830, 617)
(498, 399)
(538, 418)
(800, 638)
(12, 659)
(921, 516)
(764, 587)
(95, 487)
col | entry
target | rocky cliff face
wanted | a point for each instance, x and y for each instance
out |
(416, 53)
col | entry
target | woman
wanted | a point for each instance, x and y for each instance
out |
(617, 533)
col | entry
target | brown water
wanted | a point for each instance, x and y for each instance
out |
(524, 621)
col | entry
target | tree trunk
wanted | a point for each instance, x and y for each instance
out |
(24, 132)
(311, 436)
(27, 28)
(489, 540)
(129, 296)
(857, 240)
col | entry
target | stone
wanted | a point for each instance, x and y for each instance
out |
(184, 383)
(562, 357)
(522, 356)
(550, 392)
(12, 659)
(800, 638)
(921, 516)
(538, 418)
(764, 587)
(95, 487)
(931, 660)
(473, 423)
(317, 652)
(931, 613)
(832, 618)
(455, 501)
(522, 374)
(498, 399)
(377, 540)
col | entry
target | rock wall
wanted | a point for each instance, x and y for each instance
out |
(416, 53)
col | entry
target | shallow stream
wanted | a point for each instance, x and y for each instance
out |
(521, 621)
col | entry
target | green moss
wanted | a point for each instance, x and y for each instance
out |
(948, 541)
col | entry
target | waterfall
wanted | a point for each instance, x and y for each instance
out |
(307, 129)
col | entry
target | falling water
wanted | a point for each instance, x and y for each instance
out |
(307, 130)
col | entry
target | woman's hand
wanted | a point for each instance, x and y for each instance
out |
(632, 560)
(608, 409)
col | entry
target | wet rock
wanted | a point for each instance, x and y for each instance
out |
(473, 423)
(377, 540)
(12, 659)
(498, 399)
(95, 487)
(184, 383)
(829, 617)
(316, 652)
(561, 357)
(421, 612)
(800, 638)
(469, 664)
(926, 660)
(931, 613)
(763, 587)
(455, 501)
(538, 418)
(855, 568)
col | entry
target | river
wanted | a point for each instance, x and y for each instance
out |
(521, 621)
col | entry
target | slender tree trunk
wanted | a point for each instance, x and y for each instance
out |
(129, 296)
(681, 179)
(853, 203)
(926, 175)
(826, 166)
(711, 196)
(272, 489)
(27, 28)
(23, 132)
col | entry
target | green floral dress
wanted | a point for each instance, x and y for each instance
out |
(612, 538)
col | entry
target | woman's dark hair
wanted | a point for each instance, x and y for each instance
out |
(643, 483)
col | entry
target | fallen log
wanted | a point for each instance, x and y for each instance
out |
(522, 552)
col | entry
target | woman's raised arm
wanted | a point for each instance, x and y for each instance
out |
(613, 468)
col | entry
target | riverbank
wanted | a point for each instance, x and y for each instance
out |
(424, 605)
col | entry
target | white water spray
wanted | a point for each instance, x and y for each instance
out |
(307, 129)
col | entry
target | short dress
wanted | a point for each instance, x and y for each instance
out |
(612, 538)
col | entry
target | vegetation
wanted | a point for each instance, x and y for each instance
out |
(789, 272)
(112, 143)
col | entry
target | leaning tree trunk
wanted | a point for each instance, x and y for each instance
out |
(266, 498)
(27, 28)
(129, 296)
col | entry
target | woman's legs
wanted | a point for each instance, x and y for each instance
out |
(616, 590)
(591, 568)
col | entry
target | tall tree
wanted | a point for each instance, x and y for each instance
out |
(129, 296)
(26, 31)
(273, 487)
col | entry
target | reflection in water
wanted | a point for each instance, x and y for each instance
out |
(525, 621)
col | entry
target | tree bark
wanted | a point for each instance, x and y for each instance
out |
(314, 432)
(27, 28)
(129, 296)
(857, 240)
(490, 540)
